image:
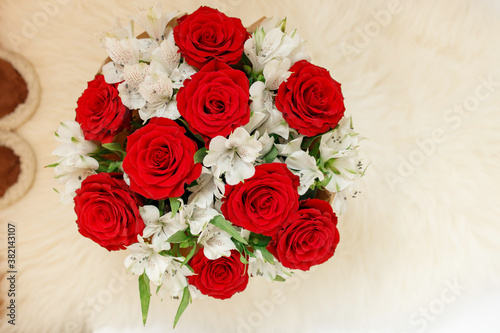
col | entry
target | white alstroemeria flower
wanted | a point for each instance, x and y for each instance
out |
(276, 72)
(119, 32)
(290, 147)
(339, 150)
(304, 165)
(133, 76)
(274, 122)
(145, 258)
(301, 164)
(157, 90)
(341, 142)
(180, 74)
(160, 228)
(74, 164)
(260, 267)
(146, 48)
(195, 292)
(216, 242)
(340, 201)
(198, 218)
(269, 41)
(208, 185)
(155, 22)
(122, 52)
(265, 116)
(174, 279)
(128, 51)
(235, 156)
(113, 73)
(266, 141)
(167, 60)
(343, 172)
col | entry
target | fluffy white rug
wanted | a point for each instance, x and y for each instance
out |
(422, 81)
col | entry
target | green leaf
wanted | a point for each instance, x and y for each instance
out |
(314, 148)
(247, 69)
(306, 142)
(166, 253)
(283, 25)
(243, 259)
(279, 279)
(249, 253)
(113, 146)
(74, 139)
(51, 165)
(186, 299)
(185, 244)
(259, 240)
(175, 204)
(145, 295)
(243, 250)
(324, 182)
(225, 225)
(190, 255)
(271, 155)
(266, 254)
(113, 166)
(200, 155)
(55, 190)
(161, 206)
(179, 237)
(240, 246)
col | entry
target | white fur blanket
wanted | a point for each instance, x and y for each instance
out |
(422, 81)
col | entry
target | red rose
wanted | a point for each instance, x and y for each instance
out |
(107, 211)
(100, 111)
(159, 160)
(208, 34)
(308, 237)
(215, 100)
(310, 100)
(220, 278)
(263, 202)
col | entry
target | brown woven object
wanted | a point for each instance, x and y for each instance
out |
(19, 90)
(10, 168)
(13, 88)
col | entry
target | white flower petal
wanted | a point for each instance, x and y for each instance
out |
(154, 21)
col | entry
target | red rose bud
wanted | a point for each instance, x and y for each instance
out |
(310, 100)
(100, 111)
(220, 278)
(215, 101)
(309, 237)
(108, 212)
(263, 202)
(159, 160)
(208, 34)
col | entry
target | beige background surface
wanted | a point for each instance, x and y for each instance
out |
(422, 81)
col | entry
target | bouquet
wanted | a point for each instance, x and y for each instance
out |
(210, 152)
